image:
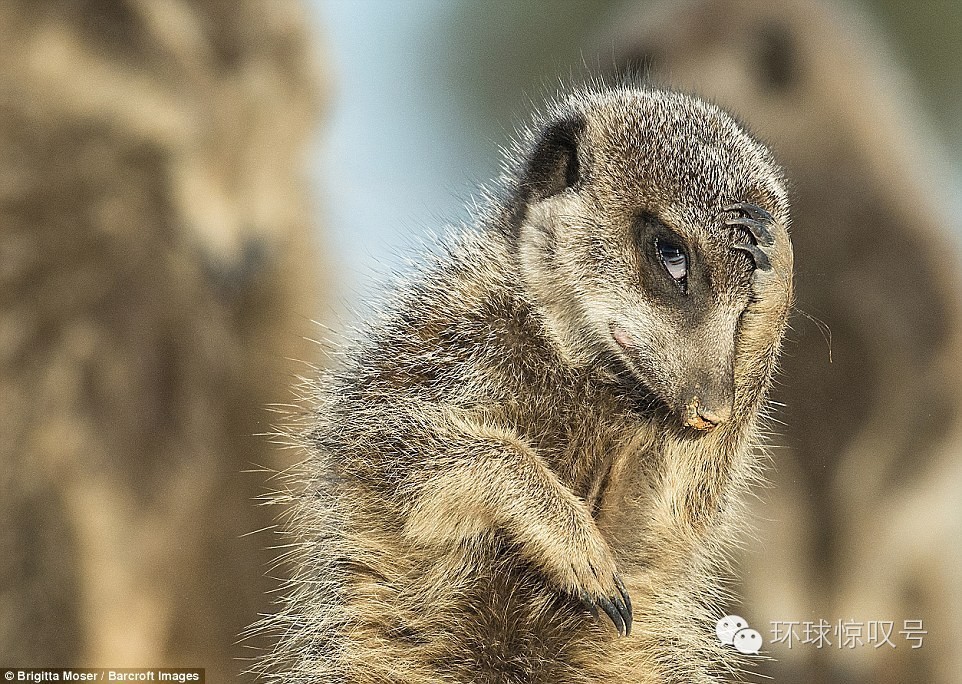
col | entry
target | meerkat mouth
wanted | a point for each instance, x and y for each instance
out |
(626, 347)
(621, 336)
(627, 374)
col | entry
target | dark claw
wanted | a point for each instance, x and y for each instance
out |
(613, 613)
(758, 256)
(753, 211)
(627, 599)
(758, 229)
(753, 218)
(623, 611)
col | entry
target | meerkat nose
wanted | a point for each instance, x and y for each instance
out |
(716, 416)
(701, 417)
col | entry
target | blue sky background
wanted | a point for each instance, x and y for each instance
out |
(392, 162)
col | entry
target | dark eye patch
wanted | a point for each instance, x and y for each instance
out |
(664, 256)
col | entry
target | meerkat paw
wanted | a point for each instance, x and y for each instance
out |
(757, 224)
(591, 576)
(765, 241)
(616, 606)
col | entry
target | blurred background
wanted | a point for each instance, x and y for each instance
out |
(186, 185)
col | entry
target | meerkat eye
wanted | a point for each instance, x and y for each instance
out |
(674, 259)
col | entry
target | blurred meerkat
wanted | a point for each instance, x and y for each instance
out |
(863, 521)
(156, 270)
(554, 419)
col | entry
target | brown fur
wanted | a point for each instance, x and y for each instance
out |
(488, 453)
(155, 271)
(873, 427)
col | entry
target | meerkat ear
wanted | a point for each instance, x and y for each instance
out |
(554, 166)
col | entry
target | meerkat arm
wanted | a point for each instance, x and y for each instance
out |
(771, 251)
(495, 481)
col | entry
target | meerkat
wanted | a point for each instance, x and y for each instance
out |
(530, 465)
(156, 271)
(862, 520)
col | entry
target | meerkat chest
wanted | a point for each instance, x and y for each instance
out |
(588, 444)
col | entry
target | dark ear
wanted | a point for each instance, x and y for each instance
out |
(553, 165)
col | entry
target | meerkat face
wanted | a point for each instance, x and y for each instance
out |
(624, 241)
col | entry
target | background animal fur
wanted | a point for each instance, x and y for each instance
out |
(156, 270)
(863, 521)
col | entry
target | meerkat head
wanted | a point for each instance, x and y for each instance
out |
(620, 212)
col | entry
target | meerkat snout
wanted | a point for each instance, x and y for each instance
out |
(705, 417)
(703, 403)
(708, 403)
